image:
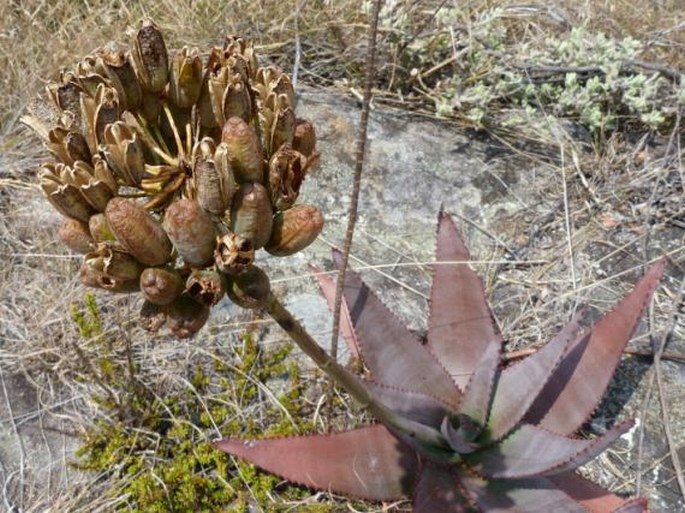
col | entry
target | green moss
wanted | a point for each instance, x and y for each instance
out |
(154, 445)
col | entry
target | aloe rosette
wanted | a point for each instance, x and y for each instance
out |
(173, 168)
(506, 436)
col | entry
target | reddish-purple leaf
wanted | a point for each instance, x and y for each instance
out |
(594, 498)
(418, 407)
(461, 325)
(522, 495)
(520, 384)
(578, 384)
(327, 286)
(392, 353)
(531, 451)
(461, 438)
(367, 462)
(439, 490)
(475, 403)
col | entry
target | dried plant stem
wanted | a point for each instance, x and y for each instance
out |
(423, 434)
(370, 67)
(675, 460)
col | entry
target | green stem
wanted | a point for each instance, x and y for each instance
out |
(426, 436)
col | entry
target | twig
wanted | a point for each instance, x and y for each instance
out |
(567, 219)
(627, 66)
(298, 44)
(662, 400)
(22, 449)
(359, 164)
(522, 353)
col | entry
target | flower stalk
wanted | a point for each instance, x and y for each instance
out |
(422, 434)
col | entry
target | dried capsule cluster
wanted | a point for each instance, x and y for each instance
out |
(172, 169)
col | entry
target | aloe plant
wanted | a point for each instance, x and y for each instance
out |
(505, 435)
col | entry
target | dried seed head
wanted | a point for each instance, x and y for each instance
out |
(233, 253)
(205, 286)
(251, 214)
(150, 58)
(243, 149)
(161, 285)
(249, 289)
(138, 232)
(185, 316)
(76, 235)
(294, 230)
(191, 230)
(185, 78)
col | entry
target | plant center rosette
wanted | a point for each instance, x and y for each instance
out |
(173, 169)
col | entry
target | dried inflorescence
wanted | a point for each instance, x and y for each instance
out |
(173, 169)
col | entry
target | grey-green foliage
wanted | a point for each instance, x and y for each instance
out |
(505, 81)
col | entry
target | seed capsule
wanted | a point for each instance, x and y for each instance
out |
(243, 149)
(99, 230)
(152, 316)
(233, 253)
(66, 95)
(76, 235)
(205, 286)
(185, 316)
(88, 75)
(185, 78)
(283, 128)
(304, 139)
(212, 179)
(251, 214)
(294, 230)
(249, 289)
(236, 100)
(150, 58)
(123, 152)
(92, 277)
(68, 146)
(106, 111)
(109, 258)
(287, 170)
(116, 65)
(58, 184)
(191, 230)
(161, 285)
(138, 232)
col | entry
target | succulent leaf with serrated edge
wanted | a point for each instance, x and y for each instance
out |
(508, 428)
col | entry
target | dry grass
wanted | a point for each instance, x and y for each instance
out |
(626, 183)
